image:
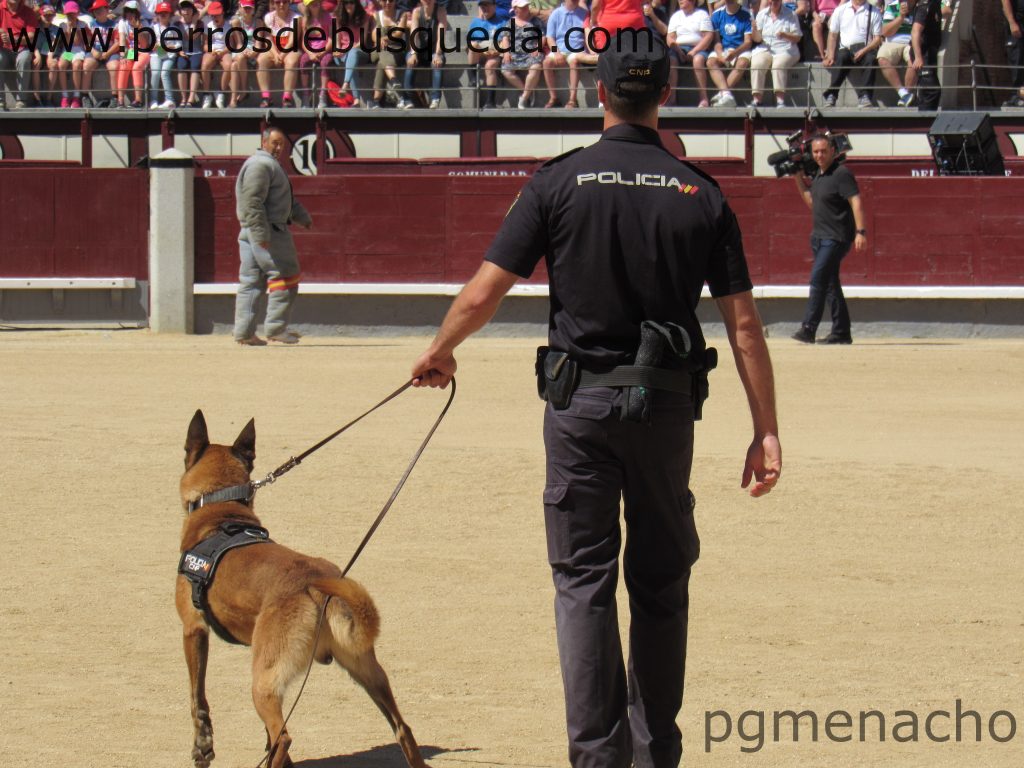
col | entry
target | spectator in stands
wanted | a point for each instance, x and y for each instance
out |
(161, 61)
(926, 39)
(857, 28)
(316, 58)
(777, 32)
(358, 27)
(609, 16)
(690, 37)
(105, 50)
(822, 15)
(525, 36)
(245, 60)
(732, 50)
(190, 56)
(46, 39)
(134, 62)
(656, 17)
(427, 24)
(18, 21)
(1013, 12)
(542, 9)
(284, 24)
(897, 20)
(217, 59)
(385, 77)
(565, 39)
(503, 10)
(481, 46)
(73, 32)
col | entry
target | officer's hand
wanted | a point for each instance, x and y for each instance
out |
(764, 464)
(1015, 29)
(917, 64)
(860, 243)
(432, 371)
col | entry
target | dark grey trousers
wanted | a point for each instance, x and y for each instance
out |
(618, 715)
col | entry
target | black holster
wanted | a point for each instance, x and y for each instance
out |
(557, 377)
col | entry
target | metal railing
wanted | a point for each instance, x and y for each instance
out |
(810, 81)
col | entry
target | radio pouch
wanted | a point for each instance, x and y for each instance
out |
(557, 377)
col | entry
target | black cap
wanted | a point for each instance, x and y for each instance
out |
(634, 56)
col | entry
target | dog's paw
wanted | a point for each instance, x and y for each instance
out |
(202, 757)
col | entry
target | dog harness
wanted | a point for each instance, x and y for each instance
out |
(199, 565)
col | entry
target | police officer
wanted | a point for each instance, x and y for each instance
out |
(630, 234)
(838, 214)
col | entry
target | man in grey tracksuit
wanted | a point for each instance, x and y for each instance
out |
(265, 208)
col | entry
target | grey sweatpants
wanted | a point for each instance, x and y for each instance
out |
(261, 269)
(618, 714)
(16, 73)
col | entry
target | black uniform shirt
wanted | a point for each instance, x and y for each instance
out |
(629, 233)
(831, 191)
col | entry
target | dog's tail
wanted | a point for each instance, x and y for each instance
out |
(352, 616)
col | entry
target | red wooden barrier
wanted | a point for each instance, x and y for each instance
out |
(410, 228)
(74, 222)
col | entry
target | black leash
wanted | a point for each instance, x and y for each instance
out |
(294, 462)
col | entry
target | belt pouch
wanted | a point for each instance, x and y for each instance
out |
(557, 377)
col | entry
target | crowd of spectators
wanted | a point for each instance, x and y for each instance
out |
(49, 53)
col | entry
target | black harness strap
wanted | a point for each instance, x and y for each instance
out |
(199, 564)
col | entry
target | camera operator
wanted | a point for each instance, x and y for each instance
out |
(838, 214)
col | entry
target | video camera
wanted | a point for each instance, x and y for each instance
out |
(797, 155)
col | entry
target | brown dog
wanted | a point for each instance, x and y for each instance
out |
(270, 597)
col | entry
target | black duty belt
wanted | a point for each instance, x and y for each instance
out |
(639, 376)
(199, 565)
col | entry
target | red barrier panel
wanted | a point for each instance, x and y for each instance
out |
(426, 228)
(74, 222)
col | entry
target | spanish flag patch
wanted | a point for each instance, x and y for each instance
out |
(688, 189)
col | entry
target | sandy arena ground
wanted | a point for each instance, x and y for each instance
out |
(884, 572)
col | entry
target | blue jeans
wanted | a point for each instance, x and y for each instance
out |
(825, 285)
(356, 57)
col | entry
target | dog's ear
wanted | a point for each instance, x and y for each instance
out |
(197, 439)
(245, 444)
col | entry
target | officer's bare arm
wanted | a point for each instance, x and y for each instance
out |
(746, 337)
(473, 307)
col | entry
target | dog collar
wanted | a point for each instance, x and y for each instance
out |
(243, 492)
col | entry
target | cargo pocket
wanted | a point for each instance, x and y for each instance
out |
(556, 522)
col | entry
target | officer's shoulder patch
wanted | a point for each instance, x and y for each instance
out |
(710, 179)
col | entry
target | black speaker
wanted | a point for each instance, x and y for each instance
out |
(964, 144)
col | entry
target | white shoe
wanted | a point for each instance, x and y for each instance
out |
(726, 100)
(405, 104)
(435, 103)
(154, 105)
(220, 101)
(523, 102)
(715, 99)
(207, 101)
(169, 104)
